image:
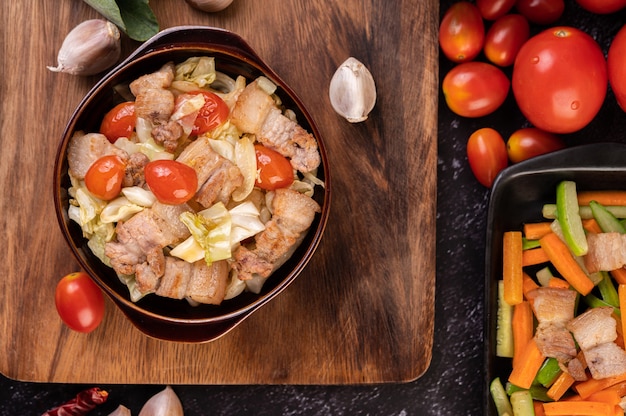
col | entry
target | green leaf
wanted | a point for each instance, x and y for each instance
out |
(134, 17)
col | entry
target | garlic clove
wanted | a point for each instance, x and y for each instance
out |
(164, 403)
(352, 91)
(209, 5)
(121, 411)
(91, 47)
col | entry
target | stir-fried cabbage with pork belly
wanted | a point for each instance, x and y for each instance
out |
(198, 188)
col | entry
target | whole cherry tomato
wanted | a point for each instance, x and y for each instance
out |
(602, 6)
(461, 32)
(530, 142)
(475, 89)
(616, 62)
(212, 114)
(505, 38)
(170, 181)
(79, 302)
(105, 176)
(274, 169)
(541, 12)
(119, 121)
(560, 79)
(486, 152)
(494, 9)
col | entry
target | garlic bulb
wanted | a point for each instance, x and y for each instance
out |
(91, 47)
(352, 91)
(164, 403)
(210, 5)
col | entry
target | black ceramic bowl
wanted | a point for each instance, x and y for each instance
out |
(517, 196)
(154, 315)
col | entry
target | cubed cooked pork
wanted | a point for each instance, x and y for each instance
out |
(606, 360)
(606, 251)
(84, 149)
(256, 112)
(292, 215)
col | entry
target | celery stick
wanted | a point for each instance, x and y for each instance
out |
(548, 372)
(504, 329)
(544, 275)
(569, 218)
(608, 222)
(500, 398)
(522, 403)
(619, 211)
(608, 291)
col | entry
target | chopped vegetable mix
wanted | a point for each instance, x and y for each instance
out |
(560, 298)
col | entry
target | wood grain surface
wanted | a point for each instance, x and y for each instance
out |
(362, 311)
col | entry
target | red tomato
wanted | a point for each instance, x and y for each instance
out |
(275, 171)
(486, 152)
(212, 114)
(79, 302)
(105, 176)
(541, 12)
(170, 181)
(119, 121)
(616, 62)
(461, 32)
(602, 6)
(505, 38)
(494, 9)
(530, 142)
(560, 79)
(475, 89)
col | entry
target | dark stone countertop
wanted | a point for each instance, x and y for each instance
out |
(453, 383)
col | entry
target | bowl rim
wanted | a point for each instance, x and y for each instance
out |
(167, 41)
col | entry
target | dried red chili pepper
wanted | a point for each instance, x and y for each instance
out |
(84, 402)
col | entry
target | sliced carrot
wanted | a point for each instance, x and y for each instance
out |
(591, 225)
(587, 388)
(620, 388)
(603, 197)
(522, 325)
(538, 406)
(574, 408)
(528, 284)
(529, 363)
(534, 256)
(564, 262)
(558, 283)
(607, 396)
(619, 275)
(560, 386)
(536, 230)
(512, 273)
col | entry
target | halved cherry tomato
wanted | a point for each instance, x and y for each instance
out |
(461, 32)
(119, 121)
(486, 152)
(170, 181)
(530, 142)
(275, 171)
(494, 9)
(212, 114)
(105, 176)
(475, 89)
(602, 6)
(541, 12)
(79, 302)
(505, 38)
(560, 79)
(616, 62)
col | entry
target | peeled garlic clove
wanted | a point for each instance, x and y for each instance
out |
(352, 91)
(121, 411)
(164, 403)
(89, 48)
(209, 5)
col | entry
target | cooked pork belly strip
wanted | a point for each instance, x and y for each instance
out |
(293, 214)
(155, 103)
(217, 176)
(84, 149)
(607, 251)
(256, 112)
(139, 243)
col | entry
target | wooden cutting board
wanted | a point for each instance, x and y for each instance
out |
(361, 312)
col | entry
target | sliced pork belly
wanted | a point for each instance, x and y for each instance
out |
(606, 360)
(554, 340)
(138, 248)
(256, 112)
(217, 176)
(84, 149)
(293, 214)
(607, 251)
